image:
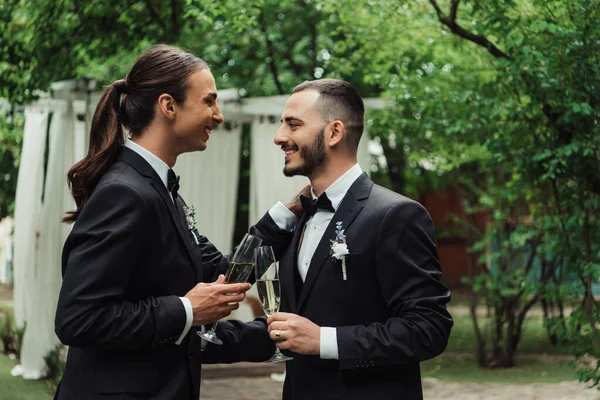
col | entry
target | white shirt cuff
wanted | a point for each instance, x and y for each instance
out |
(329, 346)
(283, 217)
(189, 318)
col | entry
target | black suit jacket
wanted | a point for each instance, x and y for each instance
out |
(390, 313)
(128, 259)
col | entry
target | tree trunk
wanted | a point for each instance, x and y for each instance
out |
(548, 308)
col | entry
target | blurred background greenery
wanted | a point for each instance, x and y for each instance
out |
(494, 116)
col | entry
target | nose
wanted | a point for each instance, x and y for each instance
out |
(217, 116)
(280, 138)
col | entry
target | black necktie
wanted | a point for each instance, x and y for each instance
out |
(311, 206)
(173, 183)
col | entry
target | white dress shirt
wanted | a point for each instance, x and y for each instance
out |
(313, 233)
(282, 219)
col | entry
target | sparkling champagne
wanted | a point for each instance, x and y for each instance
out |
(238, 272)
(269, 295)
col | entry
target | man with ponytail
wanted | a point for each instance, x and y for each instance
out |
(135, 283)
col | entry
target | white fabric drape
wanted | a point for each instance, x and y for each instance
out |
(80, 130)
(28, 202)
(268, 185)
(6, 240)
(209, 182)
(39, 336)
(363, 155)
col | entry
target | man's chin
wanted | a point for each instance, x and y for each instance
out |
(201, 146)
(291, 171)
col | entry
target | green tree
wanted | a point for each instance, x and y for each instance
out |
(11, 137)
(500, 100)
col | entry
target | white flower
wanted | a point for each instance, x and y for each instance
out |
(190, 219)
(339, 250)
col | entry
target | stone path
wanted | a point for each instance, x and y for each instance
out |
(268, 389)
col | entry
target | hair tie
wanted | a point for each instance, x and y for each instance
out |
(121, 86)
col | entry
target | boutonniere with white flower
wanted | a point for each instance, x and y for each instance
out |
(190, 218)
(339, 248)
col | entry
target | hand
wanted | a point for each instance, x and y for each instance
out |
(294, 204)
(216, 300)
(296, 333)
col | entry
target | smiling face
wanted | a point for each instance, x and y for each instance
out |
(301, 135)
(198, 114)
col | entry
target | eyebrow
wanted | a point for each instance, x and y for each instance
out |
(212, 95)
(288, 119)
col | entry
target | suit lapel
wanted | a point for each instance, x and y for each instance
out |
(176, 216)
(139, 164)
(289, 263)
(191, 246)
(347, 211)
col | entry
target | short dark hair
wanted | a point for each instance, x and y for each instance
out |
(339, 100)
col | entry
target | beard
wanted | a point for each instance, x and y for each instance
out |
(313, 155)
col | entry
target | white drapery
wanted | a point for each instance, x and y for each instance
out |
(6, 240)
(39, 336)
(209, 182)
(28, 203)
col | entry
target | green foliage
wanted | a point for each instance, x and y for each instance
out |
(8, 332)
(55, 362)
(20, 389)
(498, 100)
(11, 137)
(501, 101)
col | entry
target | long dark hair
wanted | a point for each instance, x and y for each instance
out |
(161, 69)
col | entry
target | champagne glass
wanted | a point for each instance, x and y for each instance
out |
(269, 290)
(240, 268)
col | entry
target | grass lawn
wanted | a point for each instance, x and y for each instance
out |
(533, 339)
(17, 388)
(464, 369)
(458, 364)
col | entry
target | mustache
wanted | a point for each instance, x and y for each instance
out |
(286, 147)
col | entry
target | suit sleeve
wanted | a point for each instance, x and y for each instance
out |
(408, 274)
(242, 341)
(215, 263)
(98, 262)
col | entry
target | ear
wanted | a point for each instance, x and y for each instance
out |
(337, 133)
(167, 106)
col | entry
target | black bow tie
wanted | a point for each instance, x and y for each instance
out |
(311, 206)
(173, 183)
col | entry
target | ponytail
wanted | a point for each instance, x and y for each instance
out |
(161, 69)
(106, 138)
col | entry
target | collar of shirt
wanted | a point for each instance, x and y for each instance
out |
(339, 188)
(161, 167)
